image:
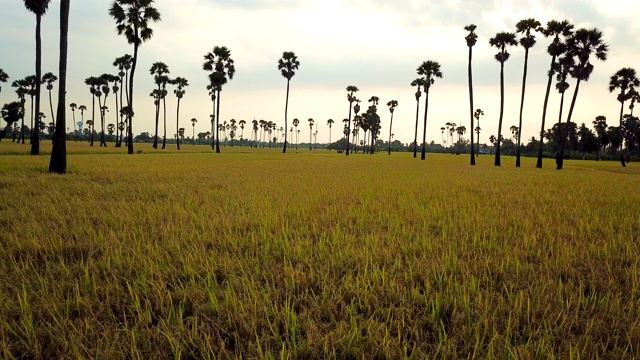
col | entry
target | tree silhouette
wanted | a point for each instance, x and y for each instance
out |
(581, 46)
(430, 70)
(123, 63)
(392, 106)
(351, 90)
(132, 19)
(222, 69)
(556, 49)
(181, 84)
(287, 66)
(296, 122)
(49, 78)
(193, 130)
(418, 83)
(39, 8)
(501, 41)
(471, 40)
(22, 91)
(330, 123)
(528, 40)
(624, 79)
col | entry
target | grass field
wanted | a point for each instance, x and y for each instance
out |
(255, 254)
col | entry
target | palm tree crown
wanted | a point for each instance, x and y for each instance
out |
(288, 64)
(501, 41)
(133, 18)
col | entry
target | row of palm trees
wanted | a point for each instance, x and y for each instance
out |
(571, 54)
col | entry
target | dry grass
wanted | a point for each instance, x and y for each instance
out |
(255, 254)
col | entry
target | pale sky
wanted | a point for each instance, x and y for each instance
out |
(375, 45)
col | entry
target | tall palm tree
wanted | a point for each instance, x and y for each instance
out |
(94, 88)
(49, 78)
(461, 130)
(624, 79)
(528, 40)
(123, 63)
(351, 90)
(181, 84)
(311, 122)
(563, 67)
(21, 91)
(222, 68)
(82, 109)
(582, 45)
(116, 80)
(132, 19)
(39, 8)
(556, 48)
(392, 106)
(159, 70)
(73, 107)
(287, 66)
(330, 123)
(430, 70)
(471, 39)
(501, 41)
(600, 125)
(296, 122)
(105, 89)
(193, 130)
(242, 124)
(418, 83)
(477, 115)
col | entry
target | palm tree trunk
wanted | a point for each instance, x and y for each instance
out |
(561, 135)
(101, 121)
(497, 160)
(130, 112)
(348, 127)
(22, 123)
(415, 137)
(621, 132)
(117, 124)
(53, 118)
(329, 135)
(93, 117)
(218, 123)
(473, 158)
(544, 114)
(164, 127)
(524, 84)
(424, 130)
(178, 124)
(35, 143)
(390, 127)
(562, 147)
(155, 138)
(286, 109)
(58, 161)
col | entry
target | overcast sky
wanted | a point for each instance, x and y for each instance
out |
(375, 45)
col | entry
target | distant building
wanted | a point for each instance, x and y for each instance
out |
(485, 152)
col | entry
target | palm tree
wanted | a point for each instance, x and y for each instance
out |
(82, 109)
(392, 106)
(179, 91)
(287, 66)
(39, 8)
(600, 125)
(94, 89)
(296, 122)
(471, 39)
(193, 129)
(624, 79)
(461, 130)
(555, 49)
(418, 83)
(222, 68)
(527, 41)
(583, 44)
(11, 113)
(123, 64)
(634, 96)
(477, 115)
(330, 123)
(430, 70)
(132, 19)
(351, 90)
(73, 107)
(515, 133)
(442, 129)
(49, 78)
(311, 122)
(105, 80)
(159, 70)
(501, 41)
(563, 67)
(241, 123)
